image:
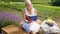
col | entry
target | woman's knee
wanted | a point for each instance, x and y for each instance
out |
(38, 21)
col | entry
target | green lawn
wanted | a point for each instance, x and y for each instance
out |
(42, 2)
(47, 11)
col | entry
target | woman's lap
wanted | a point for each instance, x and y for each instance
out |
(32, 26)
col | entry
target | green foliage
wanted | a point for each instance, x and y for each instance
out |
(12, 5)
(47, 11)
(55, 2)
(18, 0)
(12, 0)
(6, 23)
(42, 2)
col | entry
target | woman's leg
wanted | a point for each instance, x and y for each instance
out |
(26, 27)
(34, 27)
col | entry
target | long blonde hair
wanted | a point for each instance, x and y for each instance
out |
(29, 2)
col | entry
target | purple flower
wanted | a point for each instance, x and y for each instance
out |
(12, 17)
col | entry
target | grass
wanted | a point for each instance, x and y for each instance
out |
(11, 5)
(47, 11)
(42, 2)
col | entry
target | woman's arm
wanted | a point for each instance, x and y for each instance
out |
(24, 16)
(23, 13)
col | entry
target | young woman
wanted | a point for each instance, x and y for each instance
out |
(30, 17)
(49, 27)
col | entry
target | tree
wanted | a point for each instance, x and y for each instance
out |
(55, 2)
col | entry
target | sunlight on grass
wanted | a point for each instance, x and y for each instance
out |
(42, 2)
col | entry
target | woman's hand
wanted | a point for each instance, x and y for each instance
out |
(28, 21)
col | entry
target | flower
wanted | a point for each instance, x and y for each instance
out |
(12, 17)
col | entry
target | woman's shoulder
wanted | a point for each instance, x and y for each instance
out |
(23, 11)
(35, 10)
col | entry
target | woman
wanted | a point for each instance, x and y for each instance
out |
(30, 17)
(49, 26)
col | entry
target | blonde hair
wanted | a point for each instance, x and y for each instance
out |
(27, 1)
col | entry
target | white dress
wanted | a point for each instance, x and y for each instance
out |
(47, 29)
(31, 26)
